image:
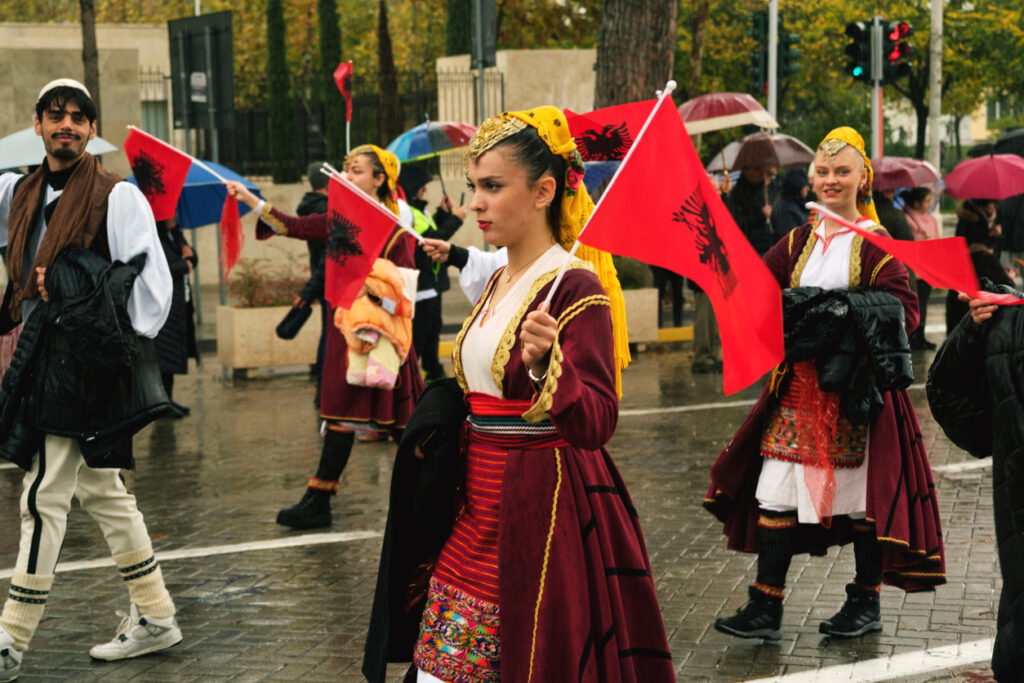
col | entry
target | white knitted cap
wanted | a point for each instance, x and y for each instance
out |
(66, 82)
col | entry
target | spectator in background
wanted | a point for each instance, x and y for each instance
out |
(788, 211)
(707, 345)
(176, 340)
(314, 202)
(976, 223)
(923, 226)
(665, 279)
(750, 203)
(433, 278)
(892, 219)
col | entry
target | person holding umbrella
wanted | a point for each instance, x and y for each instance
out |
(796, 476)
(346, 408)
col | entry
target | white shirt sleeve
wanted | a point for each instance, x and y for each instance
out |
(131, 230)
(480, 266)
(7, 182)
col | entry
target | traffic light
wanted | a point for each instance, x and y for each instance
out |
(859, 50)
(759, 55)
(789, 53)
(895, 50)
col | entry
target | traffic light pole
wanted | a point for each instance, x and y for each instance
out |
(876, 87)
(773, 57)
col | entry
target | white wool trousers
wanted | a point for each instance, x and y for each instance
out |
(59, 474)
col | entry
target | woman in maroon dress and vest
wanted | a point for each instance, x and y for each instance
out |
(800, 476)
(544, 575)
(346, 408)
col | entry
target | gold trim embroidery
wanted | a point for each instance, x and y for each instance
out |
(578, 307)
(855, 261)
(878, 268)
(272, 220)
(460, 375)
(801, 262)
(547, 555)
(538, 412)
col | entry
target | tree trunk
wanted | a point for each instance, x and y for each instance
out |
(390, 118)
(281, 111)
(90, 55)
(635, 49)
(698, 24)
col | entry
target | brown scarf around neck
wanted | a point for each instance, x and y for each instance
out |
(79, 215)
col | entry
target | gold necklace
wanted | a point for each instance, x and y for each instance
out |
(518, 271)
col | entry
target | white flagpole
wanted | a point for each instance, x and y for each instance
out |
(662, 94)
(333, 173)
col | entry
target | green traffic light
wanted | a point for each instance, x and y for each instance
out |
(858, 71)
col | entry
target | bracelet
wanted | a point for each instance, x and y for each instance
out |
(533, 377)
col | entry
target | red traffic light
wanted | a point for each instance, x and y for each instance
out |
(898, 52)
(899, 31)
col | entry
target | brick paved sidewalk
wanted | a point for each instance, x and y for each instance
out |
(300, 613)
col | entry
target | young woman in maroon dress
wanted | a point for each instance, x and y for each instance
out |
(545, 575)
(799, 476)
(346, 408)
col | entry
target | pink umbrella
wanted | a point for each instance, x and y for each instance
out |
(719, 110)
(996, 176)
(894, 172)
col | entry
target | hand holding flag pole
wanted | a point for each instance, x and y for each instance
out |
(944, 263)
(334, 174)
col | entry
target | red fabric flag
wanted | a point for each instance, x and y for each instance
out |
(159, 171)
(358, 228)
(662, 209)
(607, 134)
(944, 263)
(230, 235)
(343, 77)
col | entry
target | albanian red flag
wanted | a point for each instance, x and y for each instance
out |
(944, 263)
(159, 171)
(343, 77)
(662, 209)
(607, 134)
(357, 229)
(230, 235)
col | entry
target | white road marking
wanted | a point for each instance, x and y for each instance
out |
(189, 553)
(897, 666)
(963, 466)
(636, 412)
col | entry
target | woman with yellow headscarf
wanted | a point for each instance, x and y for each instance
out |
(832, 453)
(347, 409)
(546, 550)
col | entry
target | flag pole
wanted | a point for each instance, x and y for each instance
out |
(333, 173)
(662, 94)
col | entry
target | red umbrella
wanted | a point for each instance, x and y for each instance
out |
(996, 176)
(719, 110)
(894, 172)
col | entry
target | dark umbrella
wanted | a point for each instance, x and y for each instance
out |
(772, 149)
(996, 176)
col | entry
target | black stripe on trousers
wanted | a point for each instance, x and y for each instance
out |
(37, 531)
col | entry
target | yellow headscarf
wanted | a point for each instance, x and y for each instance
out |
(835, 141)
(391, 167)
(577, 205)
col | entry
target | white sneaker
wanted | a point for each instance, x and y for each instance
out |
(10, 659)
(138, 635)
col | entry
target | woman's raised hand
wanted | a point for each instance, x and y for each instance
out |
(436, 249)
(241, 193)
(537, 336)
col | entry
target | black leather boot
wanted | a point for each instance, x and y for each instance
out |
(860, 614)
(312, 512)
(761, 617)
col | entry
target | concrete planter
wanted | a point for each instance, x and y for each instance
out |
(246, 338)
(642, 314)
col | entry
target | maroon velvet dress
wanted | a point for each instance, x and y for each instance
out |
(339, 400)
(547, 562)
(900, 491)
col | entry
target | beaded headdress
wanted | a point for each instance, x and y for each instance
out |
(577, 205)
(391, 167)
(834, 142)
